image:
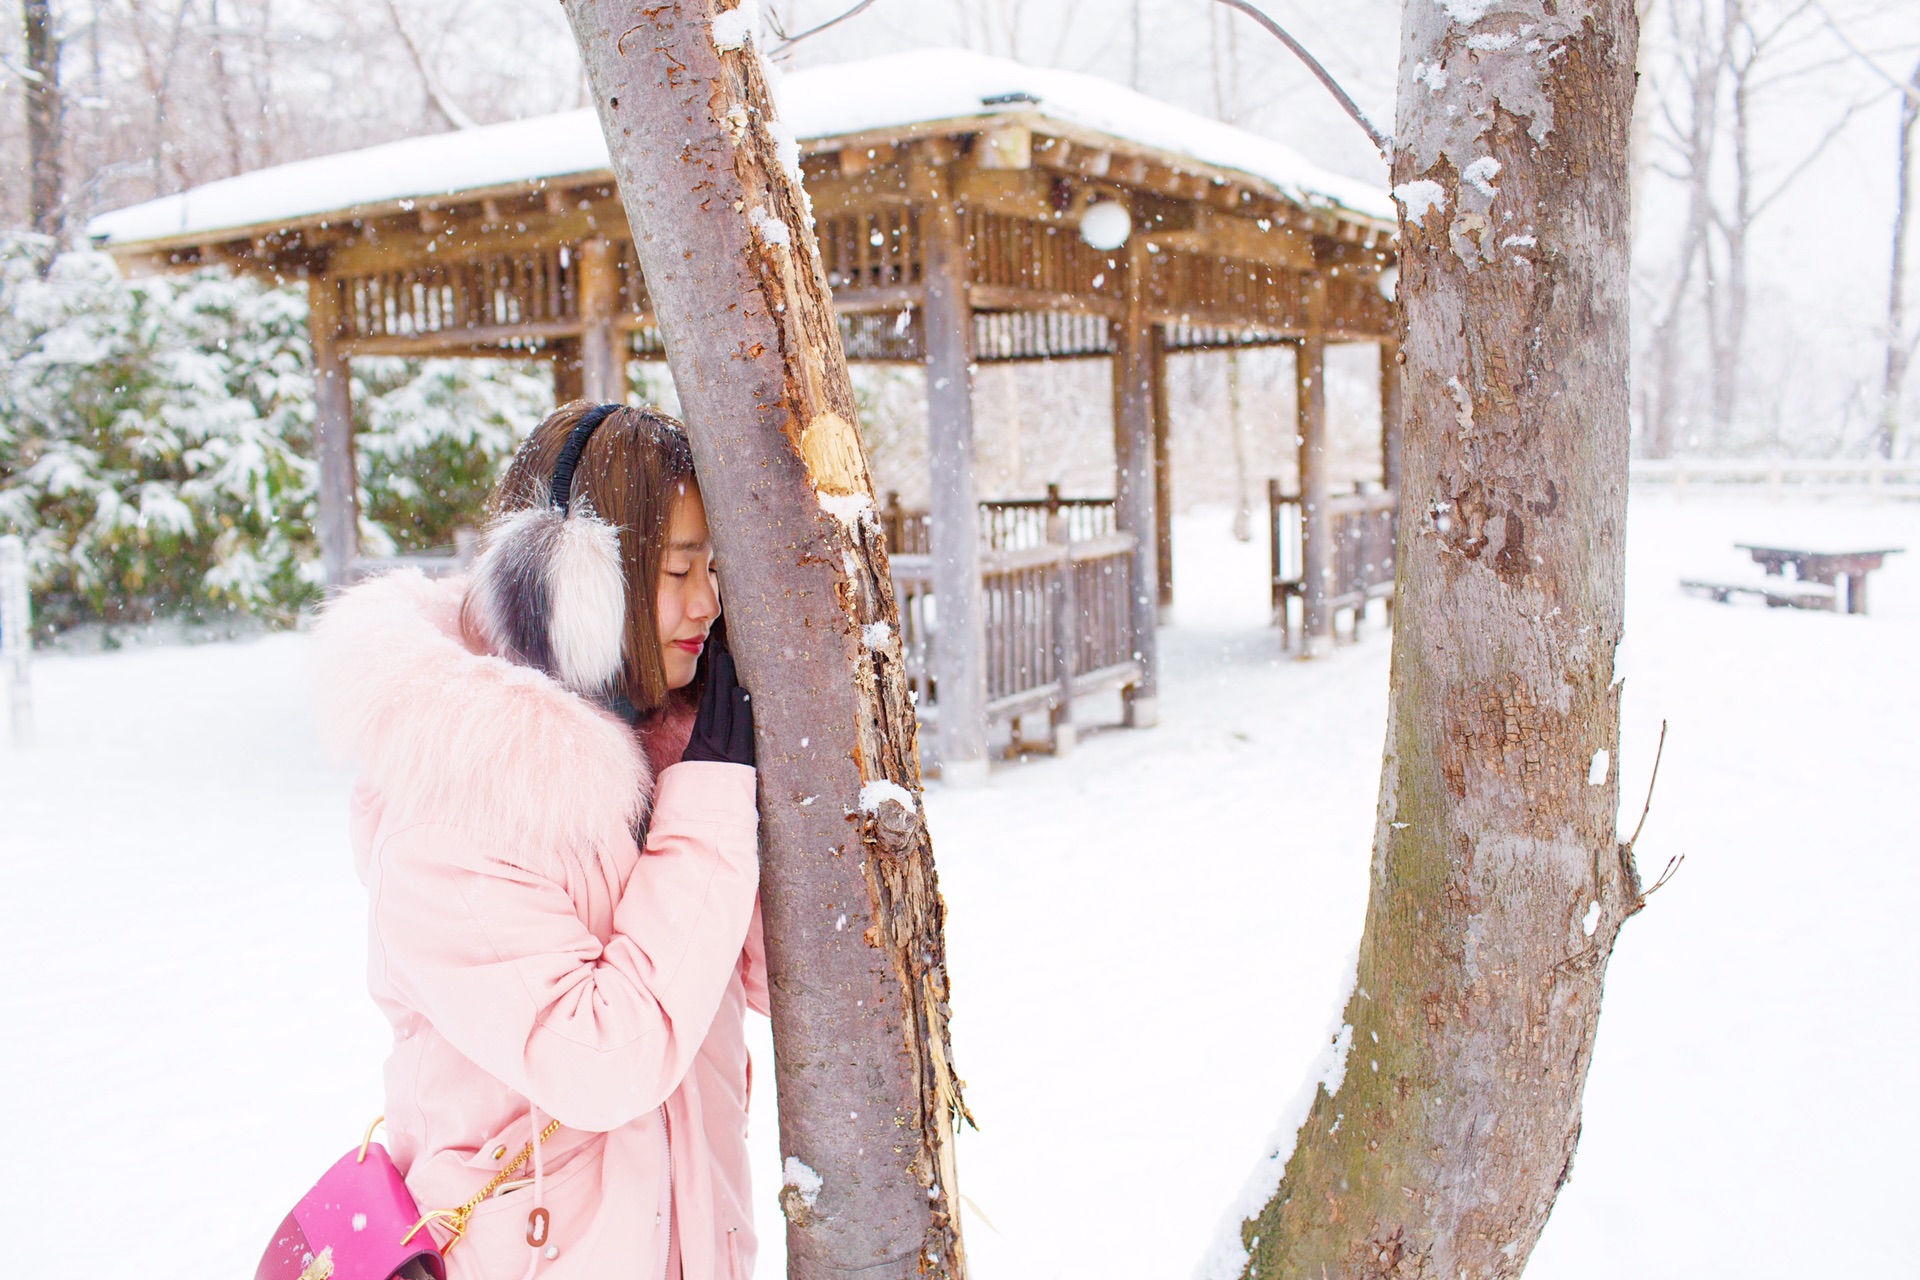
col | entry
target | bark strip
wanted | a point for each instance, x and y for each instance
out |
(1437, 1147)
(710, 182)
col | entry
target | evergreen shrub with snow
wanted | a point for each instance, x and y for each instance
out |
(156, 440)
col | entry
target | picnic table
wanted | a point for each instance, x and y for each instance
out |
(1825, 567)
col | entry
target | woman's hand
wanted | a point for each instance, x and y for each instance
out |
(723, 727)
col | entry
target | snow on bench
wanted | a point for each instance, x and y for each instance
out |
(1778, 593)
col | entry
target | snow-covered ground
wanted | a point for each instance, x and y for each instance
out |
(1145, 939)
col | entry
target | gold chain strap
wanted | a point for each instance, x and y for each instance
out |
(456, 1219)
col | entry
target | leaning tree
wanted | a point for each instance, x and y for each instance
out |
(711, 184)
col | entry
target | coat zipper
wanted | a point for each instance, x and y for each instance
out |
(666, 1255)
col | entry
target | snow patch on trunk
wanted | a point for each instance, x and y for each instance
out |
(769, 228)
(876, 634)
(848, 508)
(876, 793)
(1418, 197)
(1226, 1258)
(734, 28)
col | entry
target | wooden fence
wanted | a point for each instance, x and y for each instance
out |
(1056, 607)
(1362, 526)
(1870, 478)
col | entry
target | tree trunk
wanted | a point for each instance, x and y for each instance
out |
(710, 180)
(1703, 75)
(1447, 1124)
(45, 197)
(1893, 383)
(1729, 327)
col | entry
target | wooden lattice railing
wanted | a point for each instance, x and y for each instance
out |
(1056, 584)
(1007, 524)
(1361, 525)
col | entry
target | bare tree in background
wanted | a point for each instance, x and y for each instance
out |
(1724, 58)
(47, 200)
(1449, 1115)
(1899, 349)
(854, 920)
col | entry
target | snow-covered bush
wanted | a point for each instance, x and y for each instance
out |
(153, 438)
(433, 436)
(156, 445)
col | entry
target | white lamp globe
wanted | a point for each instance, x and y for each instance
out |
(1106, 224)
(1389, 282)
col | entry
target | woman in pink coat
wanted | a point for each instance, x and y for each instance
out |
(555, 821)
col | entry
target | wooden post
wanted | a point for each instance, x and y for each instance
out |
(16, 637)
(569, 384)
(339, 503)
(1316, 546)
(1134, 485)
(959, 650)
(603, 374)
(1162, 480)
(1390, 414)
(1063, 599)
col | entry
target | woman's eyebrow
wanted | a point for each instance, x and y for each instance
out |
(684, 544)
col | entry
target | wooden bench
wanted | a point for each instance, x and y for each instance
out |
(1782, 595)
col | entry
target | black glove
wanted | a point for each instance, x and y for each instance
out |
(723, 727)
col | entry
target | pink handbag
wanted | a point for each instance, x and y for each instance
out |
(358, 1223)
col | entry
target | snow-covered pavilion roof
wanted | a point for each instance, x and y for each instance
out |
(912, 90)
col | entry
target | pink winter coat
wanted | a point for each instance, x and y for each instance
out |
(535, 963)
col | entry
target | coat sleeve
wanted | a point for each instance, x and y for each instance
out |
(495, 957)
(753, 965)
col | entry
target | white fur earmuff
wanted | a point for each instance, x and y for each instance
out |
(548, 587)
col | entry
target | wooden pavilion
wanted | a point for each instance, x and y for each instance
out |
(959, 201)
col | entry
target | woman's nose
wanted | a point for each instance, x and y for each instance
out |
(705, 605)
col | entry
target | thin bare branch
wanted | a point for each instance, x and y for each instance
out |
(436, 94)
(1905, 90)
(1381, 139)
(1647, 808)
(791, 41)
(1806, 162)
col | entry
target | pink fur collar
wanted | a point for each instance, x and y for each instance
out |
(445, 734)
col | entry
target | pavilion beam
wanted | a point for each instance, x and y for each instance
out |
(603, 374)
(1316, 546)
(1134, 481)
(1390, 414)
(339, 501)
(959, 653)
(1162, 478)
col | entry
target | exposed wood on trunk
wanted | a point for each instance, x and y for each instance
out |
(1441, 1138)
(1134, 484)
(1310, 400)
(339, 500)
(853, 913)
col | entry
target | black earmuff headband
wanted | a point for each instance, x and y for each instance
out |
(562, 488)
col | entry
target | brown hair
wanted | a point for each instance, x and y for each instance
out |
(635, 466)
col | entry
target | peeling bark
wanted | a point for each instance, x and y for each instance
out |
(710, 182)
(1499, 882)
